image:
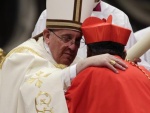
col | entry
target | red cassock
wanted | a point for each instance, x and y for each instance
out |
(99, 90)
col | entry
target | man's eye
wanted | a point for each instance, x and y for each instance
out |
(66, 39)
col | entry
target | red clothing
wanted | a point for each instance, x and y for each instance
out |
(99, 90)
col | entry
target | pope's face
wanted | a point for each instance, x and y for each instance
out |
(63, 44)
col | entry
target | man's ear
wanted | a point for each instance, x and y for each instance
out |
(46, 35)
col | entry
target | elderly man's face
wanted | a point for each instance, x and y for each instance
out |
(63, 44)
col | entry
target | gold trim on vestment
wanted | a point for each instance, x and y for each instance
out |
(18, 50)
(36, 78)
(2, 55)
(60, 66)
(136, 65)
(42, 103)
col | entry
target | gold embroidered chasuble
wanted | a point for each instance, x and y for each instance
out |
(31, 82)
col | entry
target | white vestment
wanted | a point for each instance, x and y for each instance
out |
(32, 82)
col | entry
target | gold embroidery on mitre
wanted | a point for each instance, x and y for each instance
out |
(50, 23)
(18, 50)
(77, 10)
(68, 23)
(61, 66)
(42, 103)
(37, 78)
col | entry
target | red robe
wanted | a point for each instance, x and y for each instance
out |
(99, 90)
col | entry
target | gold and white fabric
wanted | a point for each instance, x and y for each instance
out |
(32, 82)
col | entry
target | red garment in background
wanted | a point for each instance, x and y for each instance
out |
(98, 7)
(99, 90)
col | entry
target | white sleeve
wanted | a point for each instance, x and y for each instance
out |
(73, 72)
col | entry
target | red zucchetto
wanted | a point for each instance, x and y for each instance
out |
(99, 30)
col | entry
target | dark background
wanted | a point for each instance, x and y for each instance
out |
(18, 18)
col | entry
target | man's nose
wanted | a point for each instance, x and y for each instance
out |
(72, 45)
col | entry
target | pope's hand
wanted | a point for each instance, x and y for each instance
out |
(104, 60)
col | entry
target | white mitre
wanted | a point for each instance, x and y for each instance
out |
(69, 15)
